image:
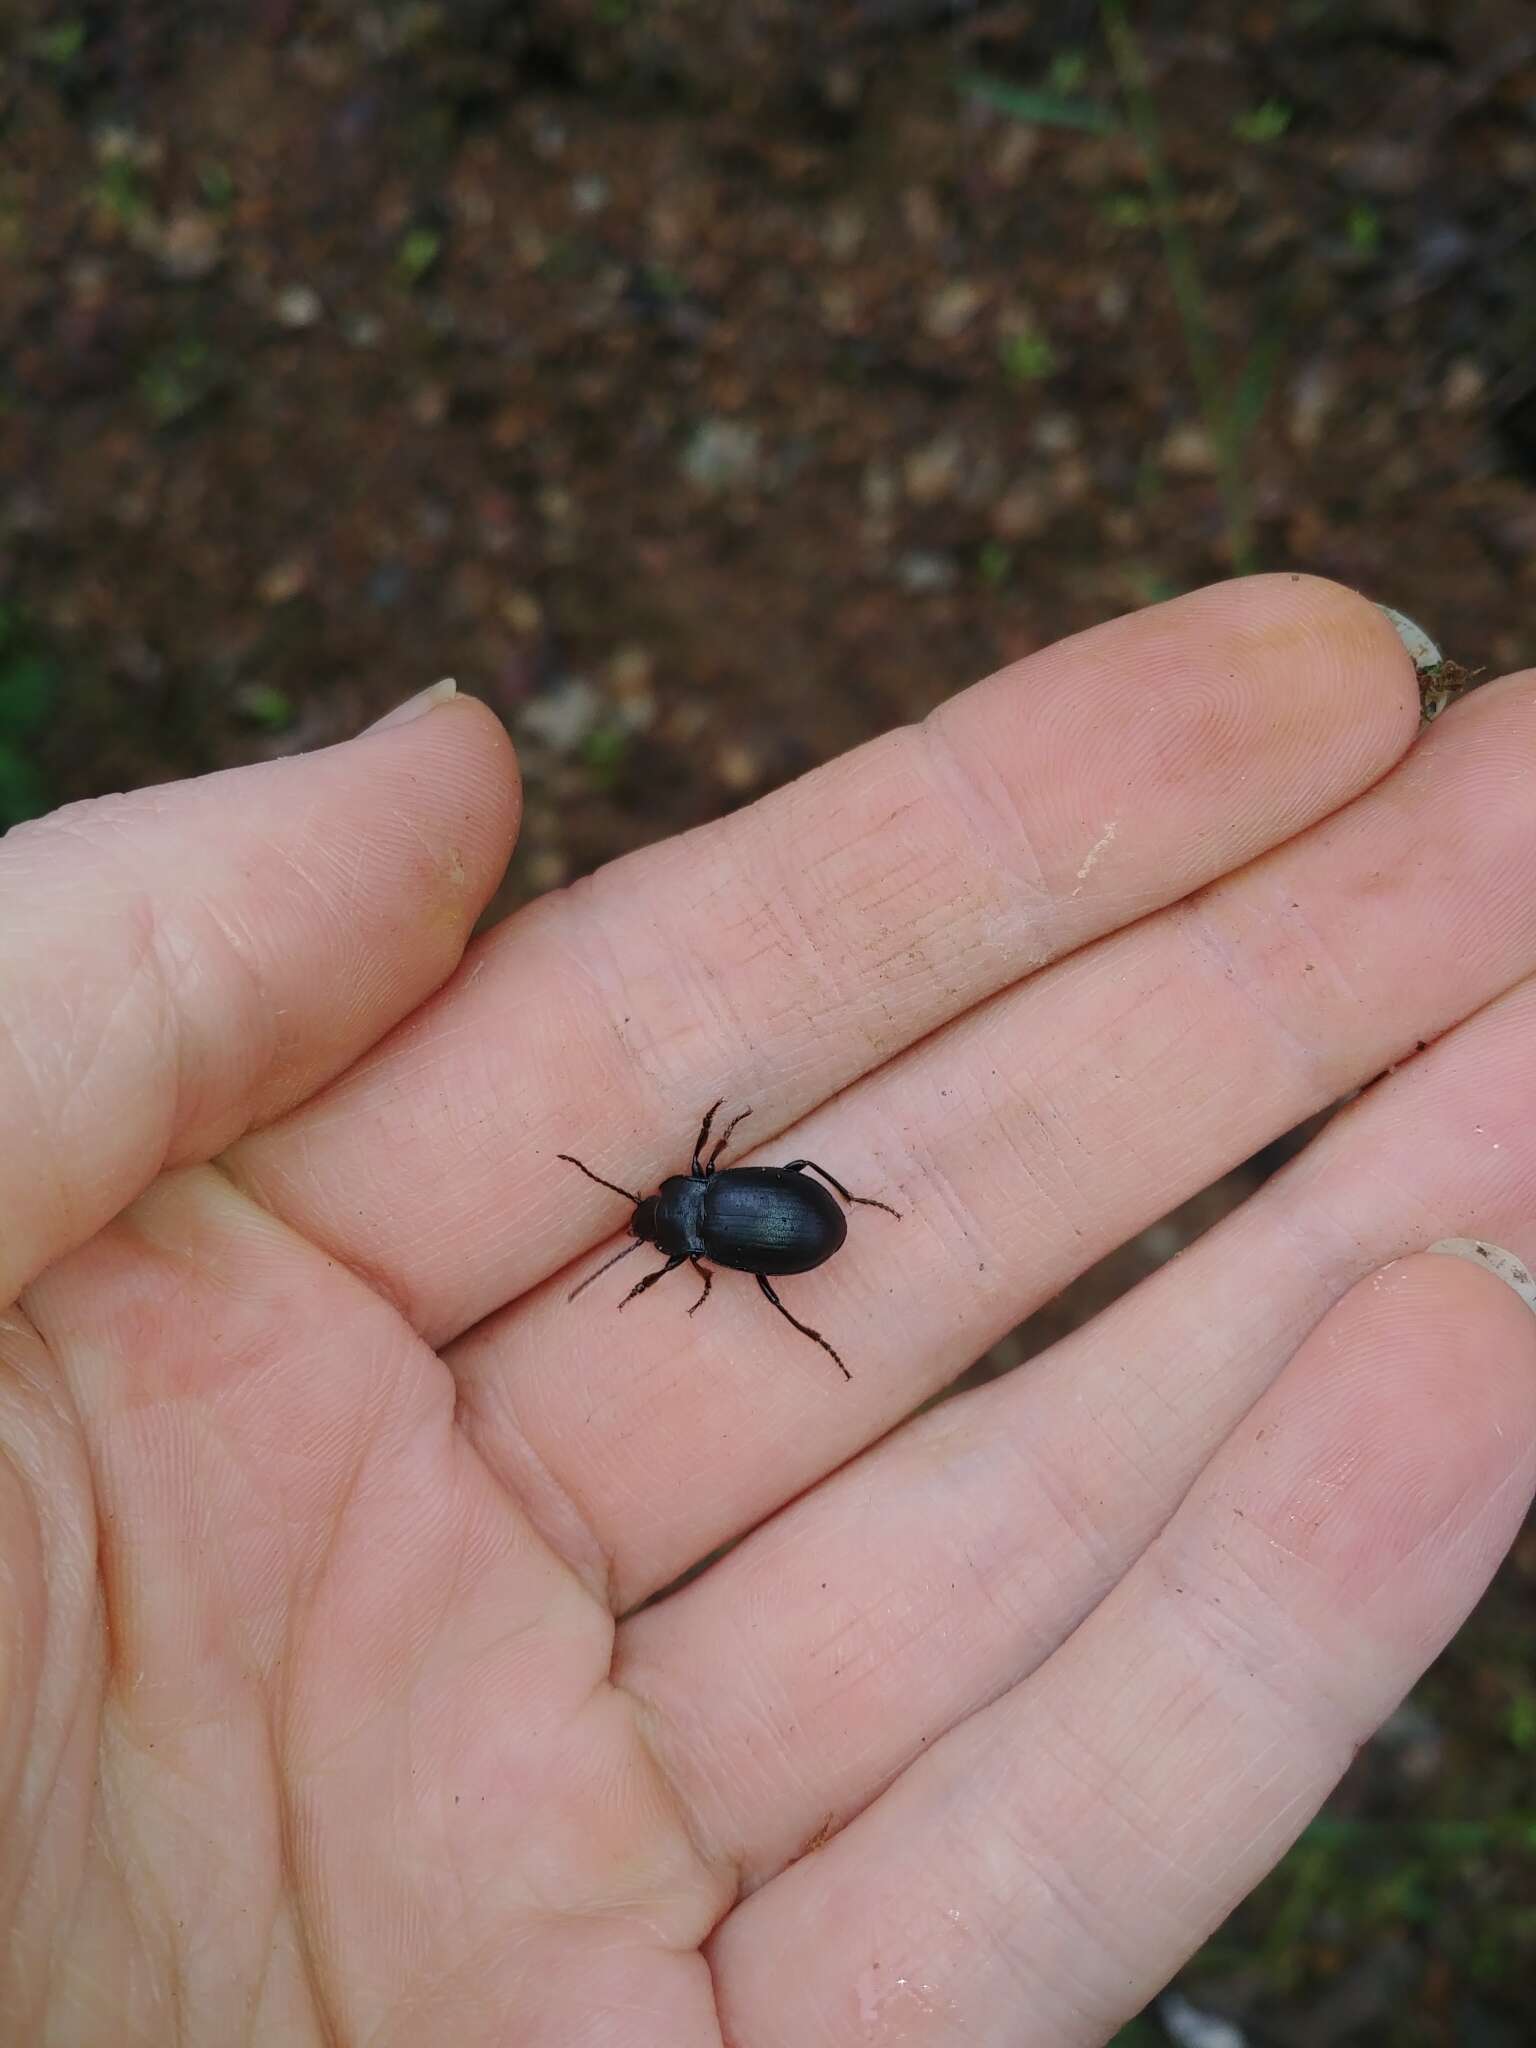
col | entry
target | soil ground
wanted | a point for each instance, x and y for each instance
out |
(711, 386)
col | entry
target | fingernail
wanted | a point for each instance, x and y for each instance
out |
(1422, 651)
(415, 707)
(1514, 1271)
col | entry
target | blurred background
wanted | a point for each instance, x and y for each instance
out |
(710, 384)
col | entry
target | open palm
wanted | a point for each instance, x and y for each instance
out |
(334, 1702)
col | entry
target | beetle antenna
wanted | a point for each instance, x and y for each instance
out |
(633, 1246)
(613, 1184)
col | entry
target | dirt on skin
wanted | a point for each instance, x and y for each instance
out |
(711, 386)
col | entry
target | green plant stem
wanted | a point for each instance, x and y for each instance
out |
(1186, 283)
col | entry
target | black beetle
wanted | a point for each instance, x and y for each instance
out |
(755, 1219)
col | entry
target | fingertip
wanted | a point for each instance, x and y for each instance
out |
(1476, 1304)
(444, 725)
(1453, 1295)
(1397, 1454)
(1445, 1345)
(447, 777)
(471, 724)
(1341, 634)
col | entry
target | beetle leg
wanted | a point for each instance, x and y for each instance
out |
(650, 1279)
(709, 1280)
(864, 1201)
(703, 1138)
(723, 1140)
(804, 1328)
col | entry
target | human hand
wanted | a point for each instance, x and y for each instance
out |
(318, 1502)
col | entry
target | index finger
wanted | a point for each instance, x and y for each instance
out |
(774, 957)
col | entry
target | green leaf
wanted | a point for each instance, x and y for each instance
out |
(994, 564)
(265, 705)
(1141, 2033)
(1044, 109)
(1127, 210)
(1252, 392)
(28, 681)
(1362, 228)
(604, 753)
(59, 45)
(664, 281)
(23, 793)
(178, 379)
(1265, 123)
(418, 253)
(120, 190)
(1521, 1724)
(1068, 72)
(1027, 357)
(217, 185)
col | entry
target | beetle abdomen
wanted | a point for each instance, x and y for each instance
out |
(762, 1219)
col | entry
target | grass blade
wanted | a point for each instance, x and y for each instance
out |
(1043, 109)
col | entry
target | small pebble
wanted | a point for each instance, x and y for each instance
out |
(931, 472)
(283, 582)
(1057, 433)
(951, 309)
(686, 721)
(1465, 385)
(297, 306)
(880, 488)
(1113, 301)
(630, 675)
(925, 222)
(563, 716)
(723, 455)
(363, 330)
(738, 767)
(1314, 394)
(189, 246)
(429, 405)
(1189, 451)
(547, 869)
(1022, 512)
(842, 232)
(522, 612)
(590, 193)
(1188, 2027)
(923, 573)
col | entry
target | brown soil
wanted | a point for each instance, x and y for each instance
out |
(709, 387)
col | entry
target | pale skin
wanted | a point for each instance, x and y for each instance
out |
(331, 1707)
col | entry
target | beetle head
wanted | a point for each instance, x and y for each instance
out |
(643, 1222)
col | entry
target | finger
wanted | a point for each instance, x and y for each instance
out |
(1049, 1864)
(1023, 1142)
(940, 1569)
(795, 946)
(183, 963)
(26, 1425)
